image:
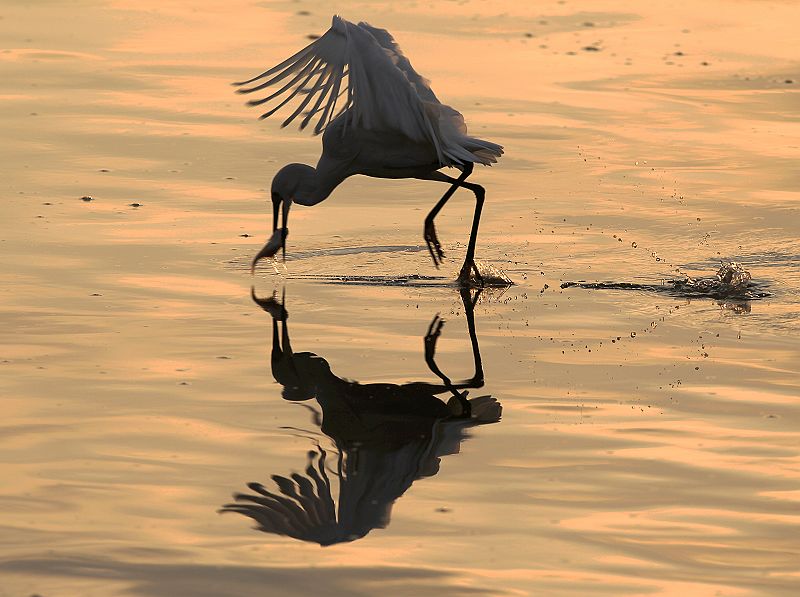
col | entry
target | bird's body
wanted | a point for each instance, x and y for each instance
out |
(347, 151)
(377, 153)
(390, 125)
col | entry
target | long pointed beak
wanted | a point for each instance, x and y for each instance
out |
(277, 241)
(287, 203)
(276, 207)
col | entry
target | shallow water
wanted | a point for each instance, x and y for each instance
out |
(648, 442)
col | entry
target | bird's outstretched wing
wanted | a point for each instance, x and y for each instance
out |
(421, 85)
(453, 146)
(362, 63)
(304, 508)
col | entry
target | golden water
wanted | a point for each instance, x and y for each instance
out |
(648, 443)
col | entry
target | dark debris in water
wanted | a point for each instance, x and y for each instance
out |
(731, 282)
(492, 278)
(412, 280)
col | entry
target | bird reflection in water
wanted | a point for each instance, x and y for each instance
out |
(386, 436)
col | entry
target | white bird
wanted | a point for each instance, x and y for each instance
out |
(389, 124)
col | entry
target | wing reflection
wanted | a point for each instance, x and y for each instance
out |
(386, 436)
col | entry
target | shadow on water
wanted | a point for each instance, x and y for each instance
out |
(732, 286)
(386, 436)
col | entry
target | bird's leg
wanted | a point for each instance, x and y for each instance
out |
(287, 203)
(469, 303)
(478, 276)
(434, 331)
(469, 261)
(459, 404)
(429, 232)
(464, 277)
(434, 247)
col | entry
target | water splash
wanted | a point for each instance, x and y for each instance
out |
(731, 282)
(490, 276)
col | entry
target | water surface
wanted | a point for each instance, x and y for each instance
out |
(648, 441)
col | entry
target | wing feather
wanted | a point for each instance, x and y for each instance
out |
(389, 45)
(323, 92)
(362, 63)
(287, 99)
(328, 53)
(311, 66)
(294, 67)
(309, 96)
(382, 92)
(294, 58)
(324, 120)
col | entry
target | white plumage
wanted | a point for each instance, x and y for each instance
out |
(381, 118)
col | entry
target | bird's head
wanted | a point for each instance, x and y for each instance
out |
(291, 182)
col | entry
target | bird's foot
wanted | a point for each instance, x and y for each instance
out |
(434, 331)
(470, 276)
(434, 247)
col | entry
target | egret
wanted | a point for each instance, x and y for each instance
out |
(389, 124)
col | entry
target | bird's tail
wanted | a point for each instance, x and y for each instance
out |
(455, 146)
(485, 152)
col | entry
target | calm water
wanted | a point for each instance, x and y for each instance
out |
(647, 443)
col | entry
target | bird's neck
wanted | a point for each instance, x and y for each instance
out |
(316, 185)
(308, 189)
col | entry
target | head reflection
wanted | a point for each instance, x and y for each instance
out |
(386, 437)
